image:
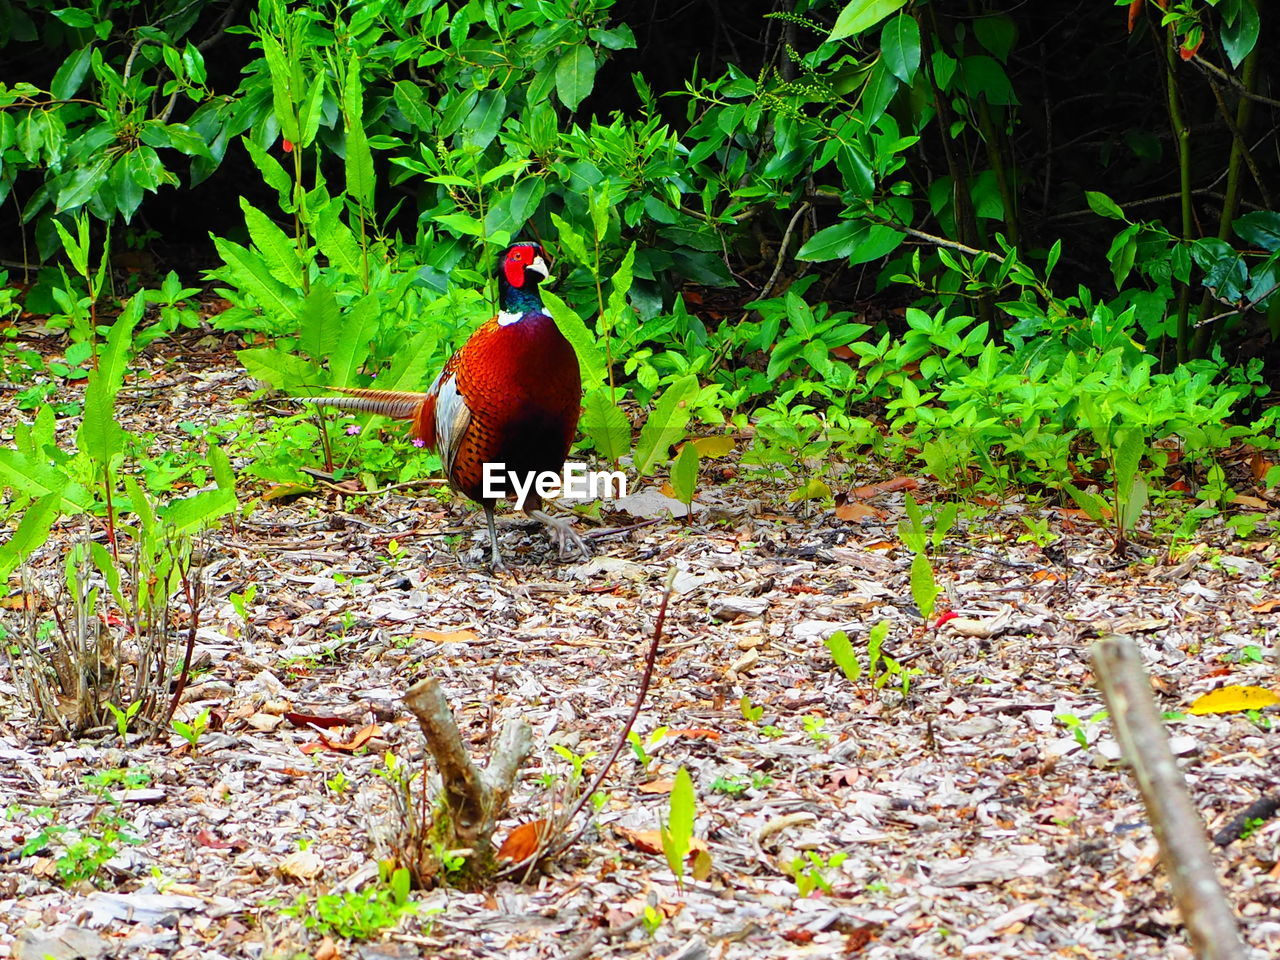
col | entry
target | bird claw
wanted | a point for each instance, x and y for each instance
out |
(561, 533)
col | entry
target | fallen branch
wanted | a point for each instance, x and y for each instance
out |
(1209, 919)
(475, 799)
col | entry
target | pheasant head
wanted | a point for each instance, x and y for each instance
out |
(522, 268)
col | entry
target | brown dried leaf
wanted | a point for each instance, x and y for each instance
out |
(525, 840)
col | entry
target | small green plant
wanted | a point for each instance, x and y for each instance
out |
(772, 732)
(684, 476)
(453, 862)
(240, 603)
(813, 725)
(1259, 720)
(1037, 531)
(128, 778)
(750, 712)
(731, 786)
(677, 832)
(810, 871)
(1078, 728)
(841, 651)
(652, 919)
(358, 915)
(193, 731)
(123, 717)
(641, 747)
(1251, 826)
(83, 852)
(338, 783)
(577, 761)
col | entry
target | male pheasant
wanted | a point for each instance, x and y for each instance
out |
(511, 395)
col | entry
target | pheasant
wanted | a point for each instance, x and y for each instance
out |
(511, 395)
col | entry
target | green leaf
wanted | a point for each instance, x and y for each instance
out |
(590, 356)
(923, 588)
(337, 242)
(84, 182)
(621, 283)
(66, 82)
(359, 159)
(879, 90)
(285, 109)
(1240, 36)
(190, 515)
(127, 188)
(900, 47)
(1092, 504)
(408, 371)
(983, 75)
(33, 478)
(321, 323)
(247, 270)
(858, 15)
(1261, 229)
(834, 242)
(311, 112)
(677, 833)
(279, 250)
(572, 241)
(997, 34)
(412, 103)
(575, 75)
(880, 241)
(1123, 253)
(606, 425)
(273, 174)
(485, 119)
(280, 369)
(684, 473)
(1130, 446)
(1103, 205)
(77, 253)
(461, 223)
(842, 653)
(32, 532)
(665, 425)
(359, 324)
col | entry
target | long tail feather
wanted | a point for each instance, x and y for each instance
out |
(397, 404)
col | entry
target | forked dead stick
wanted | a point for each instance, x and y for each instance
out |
(1184, 848)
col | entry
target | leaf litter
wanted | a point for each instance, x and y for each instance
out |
(980, 813)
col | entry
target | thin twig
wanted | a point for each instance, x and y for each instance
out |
(782, 249)
(586, 795)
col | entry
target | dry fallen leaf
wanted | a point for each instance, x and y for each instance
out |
(1233, 699)
(314, 720)
(650, 841)
(695, 733)
(714, 446)
(302, 865)
(853, 510)
(1249, 503)
(362, 736)
(525, 840)
(886, 486)
(446, 636)
(656, 786)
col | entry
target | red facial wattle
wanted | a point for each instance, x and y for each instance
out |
(514, 269)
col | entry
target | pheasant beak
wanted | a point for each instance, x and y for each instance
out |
(539, 266)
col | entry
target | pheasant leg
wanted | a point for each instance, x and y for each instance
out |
(561, 532)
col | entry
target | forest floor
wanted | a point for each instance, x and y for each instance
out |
(981, 814)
